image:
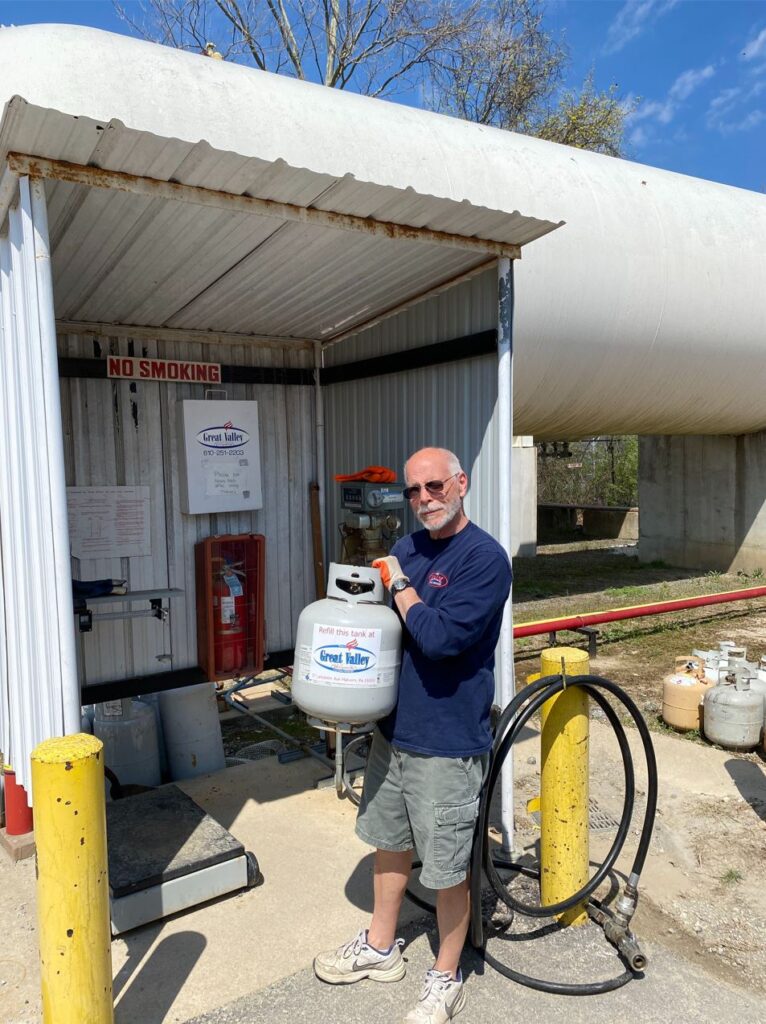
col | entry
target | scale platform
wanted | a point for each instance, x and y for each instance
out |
(166, 854)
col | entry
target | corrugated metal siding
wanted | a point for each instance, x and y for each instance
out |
(466, 309)
(383, 420)
(37, 661)
(124, 433)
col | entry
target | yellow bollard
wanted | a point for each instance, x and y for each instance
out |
(72, 881)
(564, 839)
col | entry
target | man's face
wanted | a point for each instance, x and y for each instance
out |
(435, 508)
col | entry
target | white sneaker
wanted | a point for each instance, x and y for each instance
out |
(442, 998)
(357, 960)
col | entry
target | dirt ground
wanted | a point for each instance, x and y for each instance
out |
(706, 871)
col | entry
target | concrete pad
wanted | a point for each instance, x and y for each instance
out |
(17, 847)
(317, 893)
(250, 954)
(671, 990)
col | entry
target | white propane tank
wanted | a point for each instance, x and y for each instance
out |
(129, 733)
(348, 650)
(733, 714)
(192, 731)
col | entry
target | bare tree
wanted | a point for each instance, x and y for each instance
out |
(375, 47)
(491, 61)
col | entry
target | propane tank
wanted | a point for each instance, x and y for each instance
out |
(682, 693)
(348, 650)
(229, 619)
(128, 730)
(734, 713)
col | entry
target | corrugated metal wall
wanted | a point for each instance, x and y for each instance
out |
(38, 685)
(382, 420)
(119, 432)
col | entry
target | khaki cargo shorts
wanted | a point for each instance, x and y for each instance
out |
(429, 804)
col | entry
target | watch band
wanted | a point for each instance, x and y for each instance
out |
(401, 584)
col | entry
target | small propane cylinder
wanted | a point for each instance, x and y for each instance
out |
(348, 650)
(128, 730)
(734, 713)
(192, 731)
(682, 693)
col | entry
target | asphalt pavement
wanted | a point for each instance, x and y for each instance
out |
(671, 990)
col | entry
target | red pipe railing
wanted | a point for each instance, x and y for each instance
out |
(634, 612)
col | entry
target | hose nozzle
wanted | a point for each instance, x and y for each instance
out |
(629, 949)
(620, 935)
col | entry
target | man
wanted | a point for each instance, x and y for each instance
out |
(449, 583)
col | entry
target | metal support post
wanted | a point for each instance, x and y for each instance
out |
(506, 685)
(564, 838)
(320, 438)
(72, 881)
(60, 588)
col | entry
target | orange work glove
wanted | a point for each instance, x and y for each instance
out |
(390, 570)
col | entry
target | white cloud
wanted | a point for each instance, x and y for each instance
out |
(755, 117)
(723, 102)
(638, 137)
(633, 18)
(688, 81)
(725, 110)
(755, 47)
(665, 110)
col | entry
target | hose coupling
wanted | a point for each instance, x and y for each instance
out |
(625, 907)
(620, 935)
(628, 947)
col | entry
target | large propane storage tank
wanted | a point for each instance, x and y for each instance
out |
(128, 730)
(683, 692)
(348, 650)
(192, 731)
(734, 714)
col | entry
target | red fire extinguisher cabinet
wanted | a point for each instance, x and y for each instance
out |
(230, 586)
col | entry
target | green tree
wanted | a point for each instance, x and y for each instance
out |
(597, 471)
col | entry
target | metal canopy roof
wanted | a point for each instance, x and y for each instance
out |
(145, 259)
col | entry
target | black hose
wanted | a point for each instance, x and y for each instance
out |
(513, 719)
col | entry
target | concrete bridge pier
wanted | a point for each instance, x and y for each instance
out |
(703, 501)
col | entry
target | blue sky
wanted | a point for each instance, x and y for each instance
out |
(697, 66)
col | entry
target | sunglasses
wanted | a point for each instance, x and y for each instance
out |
(433, 487)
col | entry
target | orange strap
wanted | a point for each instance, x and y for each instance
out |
(372, 475)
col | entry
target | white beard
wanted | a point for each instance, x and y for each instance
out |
(441, 515)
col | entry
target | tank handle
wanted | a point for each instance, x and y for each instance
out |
(355, 587)
(690, 659)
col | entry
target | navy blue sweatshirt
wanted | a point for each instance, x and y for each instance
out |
(447, 685)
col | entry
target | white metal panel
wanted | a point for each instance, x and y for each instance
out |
(125, 432)
(38, 681)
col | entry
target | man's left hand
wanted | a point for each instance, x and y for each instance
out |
(390, 570)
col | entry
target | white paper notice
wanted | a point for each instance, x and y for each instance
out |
(225, 477)
(344, 654)
(109, 522)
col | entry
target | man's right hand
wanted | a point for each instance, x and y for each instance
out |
(390, 570)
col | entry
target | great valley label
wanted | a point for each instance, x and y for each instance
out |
(345, 655)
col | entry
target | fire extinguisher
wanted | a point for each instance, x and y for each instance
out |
(229, 619)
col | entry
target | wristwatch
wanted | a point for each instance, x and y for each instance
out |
(399, 585)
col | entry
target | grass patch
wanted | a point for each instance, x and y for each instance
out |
(731, 877)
